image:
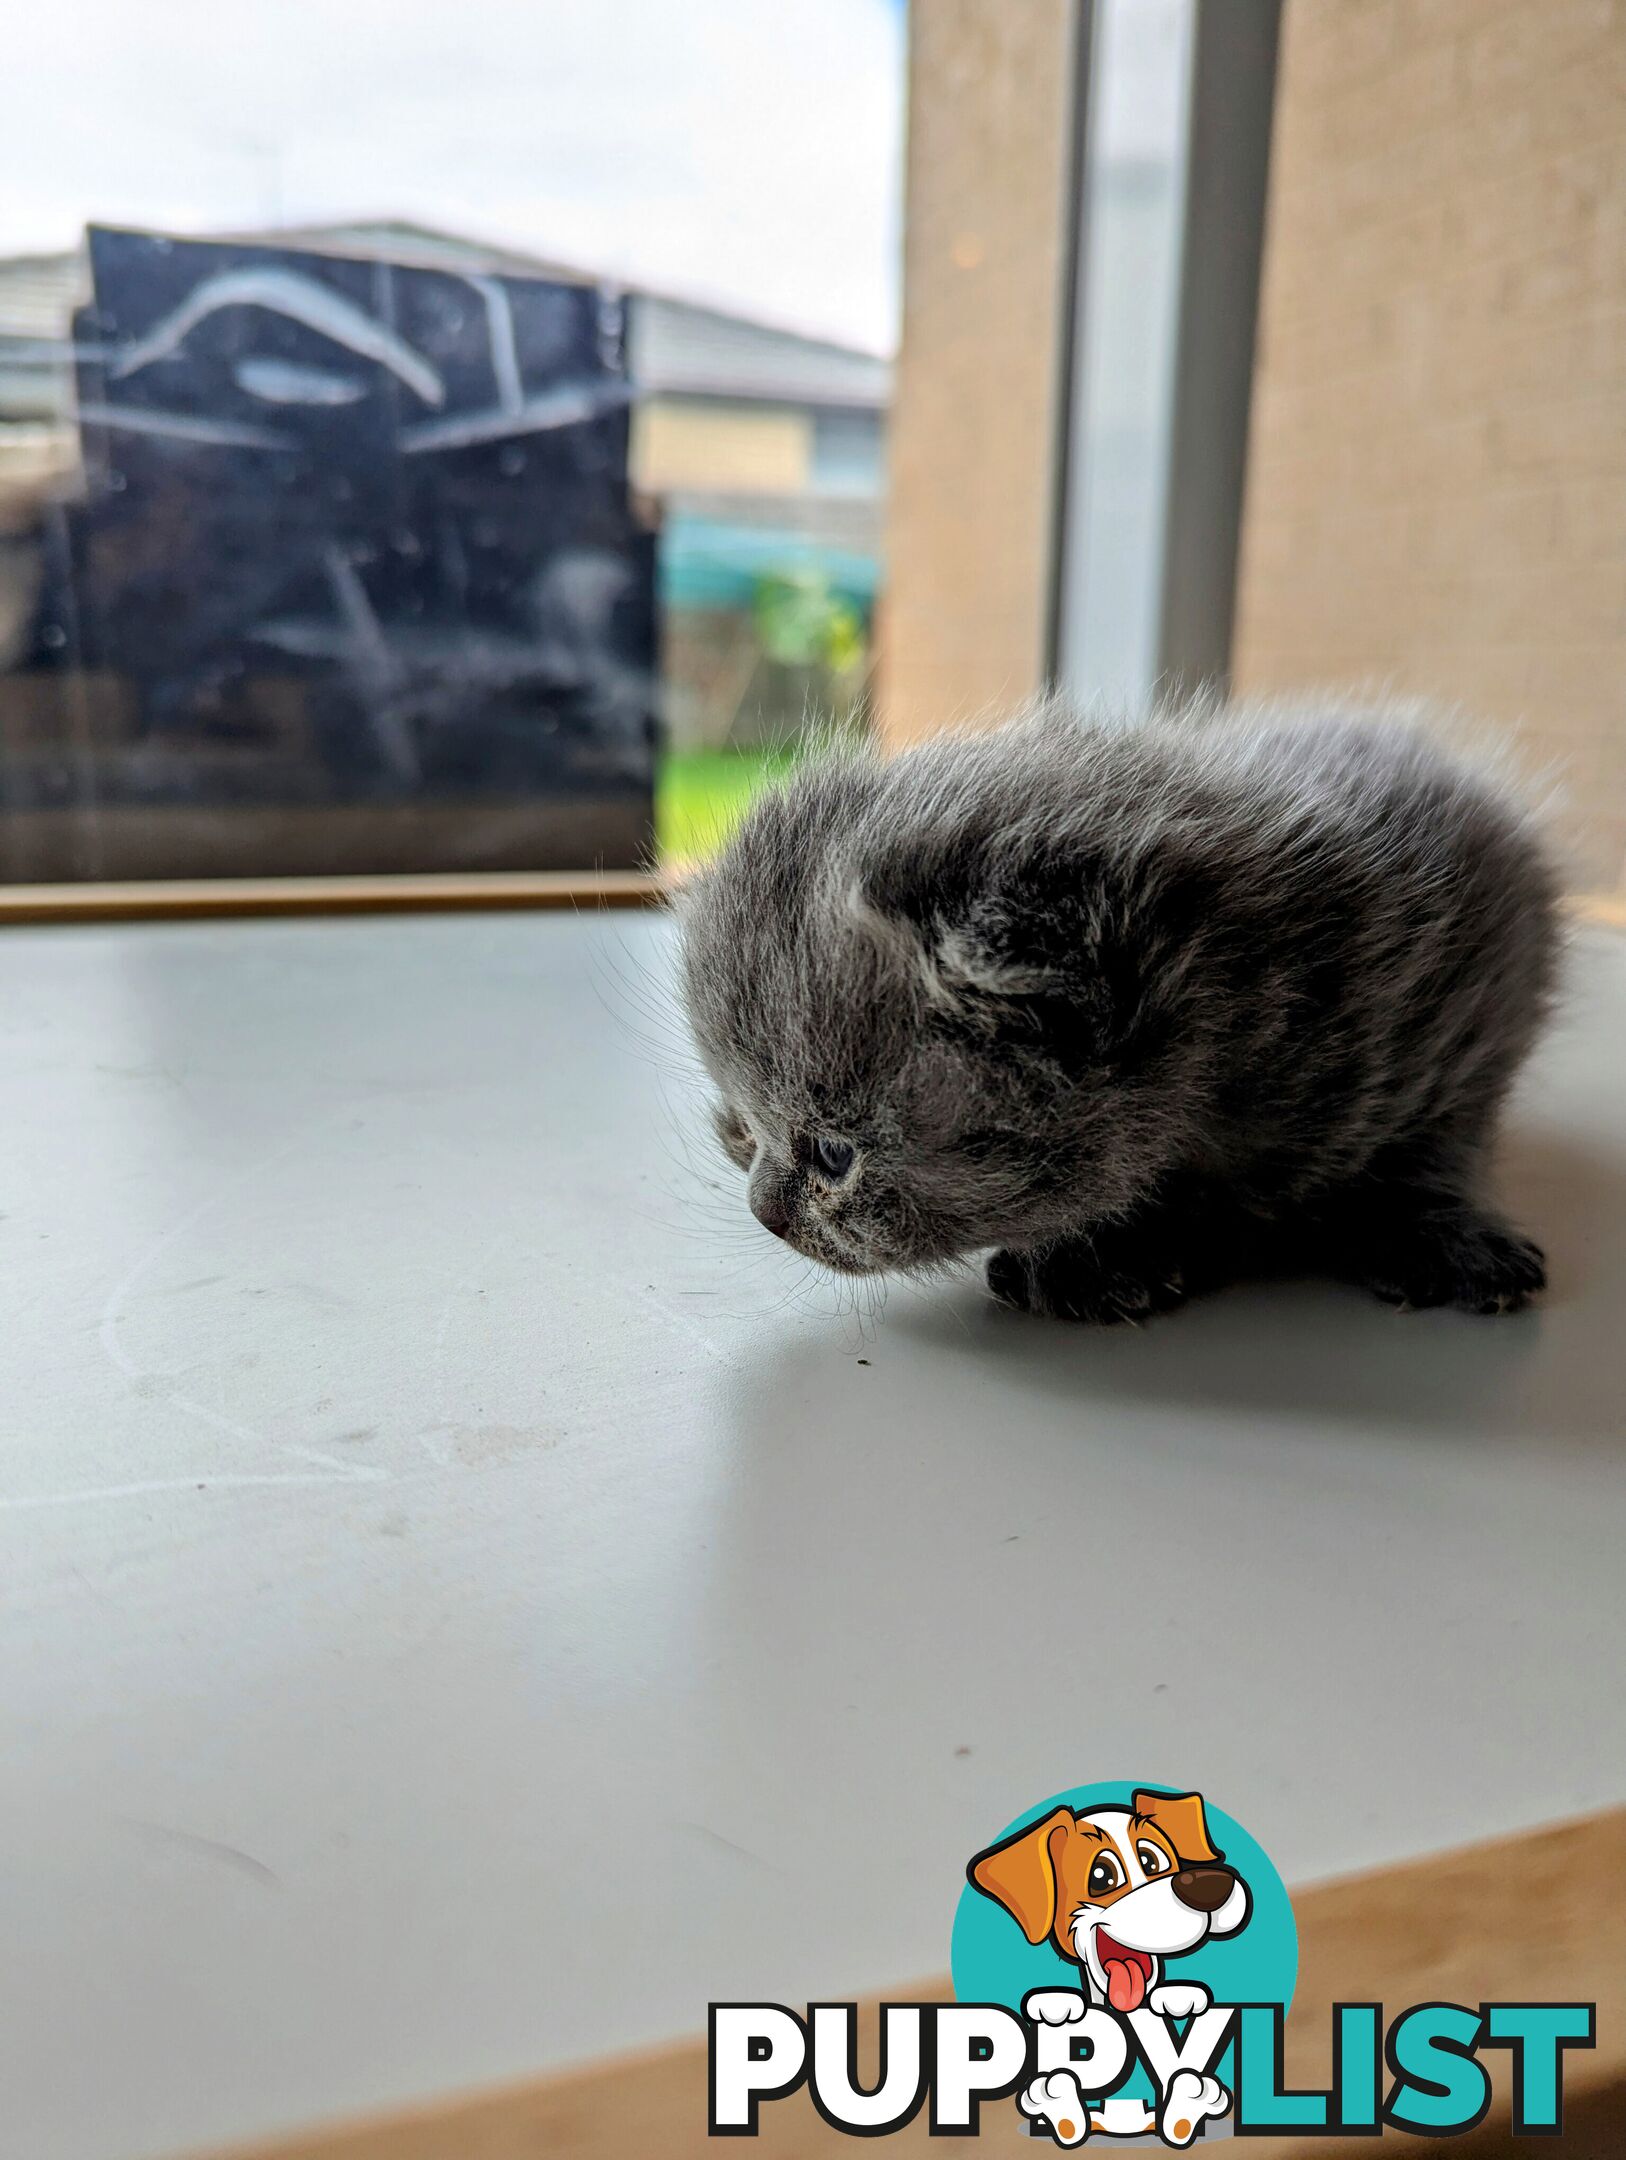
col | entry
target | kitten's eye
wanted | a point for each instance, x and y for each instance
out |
(833, 1157)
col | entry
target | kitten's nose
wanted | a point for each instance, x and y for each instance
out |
(767, 1198)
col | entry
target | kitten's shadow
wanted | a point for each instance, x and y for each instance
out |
(1316, 1352)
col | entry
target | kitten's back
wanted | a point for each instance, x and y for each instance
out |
(1353, 931)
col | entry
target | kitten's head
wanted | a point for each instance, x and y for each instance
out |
(904, 1073)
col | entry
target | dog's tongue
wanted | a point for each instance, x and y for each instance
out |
(1126, 1983)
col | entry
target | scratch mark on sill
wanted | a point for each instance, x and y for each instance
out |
(727, 1844)
(207, 1848)
(332, 1470)
(679, 1323)
(360, 1474)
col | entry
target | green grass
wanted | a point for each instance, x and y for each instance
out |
(701, 794)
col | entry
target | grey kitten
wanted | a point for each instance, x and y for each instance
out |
(1146, 1008)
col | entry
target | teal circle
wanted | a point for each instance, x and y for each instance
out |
(992, 1961)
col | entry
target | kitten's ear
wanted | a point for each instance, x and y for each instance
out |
(970, 961)
(961, 966)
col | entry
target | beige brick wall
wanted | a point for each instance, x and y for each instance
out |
(974, 432)
(1437, 470)
(747, 449)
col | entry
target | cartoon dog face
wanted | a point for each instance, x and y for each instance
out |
(1118, 1889)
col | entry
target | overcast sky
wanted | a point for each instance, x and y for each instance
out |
(742, 150)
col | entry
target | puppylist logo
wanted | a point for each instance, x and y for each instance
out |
(1118, 1893)
(1123, 1962)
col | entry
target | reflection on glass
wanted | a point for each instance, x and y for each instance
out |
(1127, 325)
(338, 544)
(345, 573)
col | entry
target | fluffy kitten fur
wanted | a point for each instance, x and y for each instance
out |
(1143, 1007)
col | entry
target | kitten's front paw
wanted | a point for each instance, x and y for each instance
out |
(1071, 1282)
(1469, 1261)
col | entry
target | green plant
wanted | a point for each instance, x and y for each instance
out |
(802, 621)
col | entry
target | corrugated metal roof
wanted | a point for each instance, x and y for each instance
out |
(38, 294)
(679, 348)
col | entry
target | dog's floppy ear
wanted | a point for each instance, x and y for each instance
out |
(1020, 1874)
(1181, 1819)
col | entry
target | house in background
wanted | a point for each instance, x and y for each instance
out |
(766, 453)
(762, 452)
(38, 294)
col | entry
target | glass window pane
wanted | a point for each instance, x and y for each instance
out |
(1112, 556)
(426, 449)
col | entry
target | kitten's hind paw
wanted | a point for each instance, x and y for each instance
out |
(1467, 1260)
(1072, 1282)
